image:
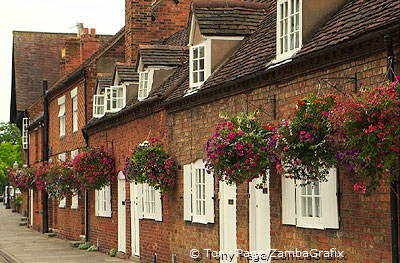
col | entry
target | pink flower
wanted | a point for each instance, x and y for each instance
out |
(232, 135)
(302, 132)
(379, 165)
(240, 133)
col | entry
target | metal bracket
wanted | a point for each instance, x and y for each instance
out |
(341, 89)
(272, 100)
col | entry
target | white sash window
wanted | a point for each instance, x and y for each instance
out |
(103, 202)
(61, 115)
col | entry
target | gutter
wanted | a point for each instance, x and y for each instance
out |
(45, 157)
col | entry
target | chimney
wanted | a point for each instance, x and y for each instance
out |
(78, 49)
(147, 21)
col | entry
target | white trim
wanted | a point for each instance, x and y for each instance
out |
(103, 202)
(98, 106)
(288, 54)
(207, 64)
(75, 201)
(63, 202)
(75, 117)
(25, 133)
(223, 37)
(61, 100)
(151, 204)
(74, 92)
(192, 28)
(149, 84)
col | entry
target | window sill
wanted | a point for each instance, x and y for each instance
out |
(74, 208)
(62, 137)
(104, 215)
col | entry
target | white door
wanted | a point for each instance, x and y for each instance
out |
(227, 222)
(134, 193)
(31, 207)
(259, 218)
(121, 213)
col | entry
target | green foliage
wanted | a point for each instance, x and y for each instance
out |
(10, 150)
(18, 201)
(93, 248)
(305, 141)
(112, 252)
(85, 246)
(9, 132)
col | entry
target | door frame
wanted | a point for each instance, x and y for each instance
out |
(135, 241)
(121, 213)
(259, 217)
(226, 211)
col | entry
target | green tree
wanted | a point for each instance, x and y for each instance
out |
(10, 150)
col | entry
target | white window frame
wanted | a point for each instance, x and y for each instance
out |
(150, 203)
(110, 98)
(61, 115)
(145, 85)
(25, 134)
(75, 196)
(62, 157)
(103, 202)
(99, 108)
(281, 35)
(198, 200)
(74, 99)
(207, 64)
(292, 194)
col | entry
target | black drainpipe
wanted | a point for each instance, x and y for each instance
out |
(86, 144)
(45, 155)
(393, 185)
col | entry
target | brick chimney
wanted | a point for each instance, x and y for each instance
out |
(150, 20)
(78, 49)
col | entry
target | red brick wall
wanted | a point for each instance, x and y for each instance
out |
(154, 236)
(364, 232)
(71, 222)
(141, 28)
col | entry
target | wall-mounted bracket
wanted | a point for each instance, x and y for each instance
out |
(330, 82)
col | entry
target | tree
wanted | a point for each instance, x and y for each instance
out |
(10, 150)
(9, 132)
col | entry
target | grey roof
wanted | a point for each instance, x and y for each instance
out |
(163, 55)
(126, 73)
(228, 18)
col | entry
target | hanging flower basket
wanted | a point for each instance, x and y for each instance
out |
(305, 142)
(57, 179)
(149, 163)
(94, 168)
(241, 149)
(368, 126)
(23, 178)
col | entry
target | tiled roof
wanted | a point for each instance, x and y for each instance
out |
(180, 38)
(104, 82)
(36, 56)
(228, 18)
(126, 73)
(162, 55)
(355, 18)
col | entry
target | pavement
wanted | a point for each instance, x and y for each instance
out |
(19, 244)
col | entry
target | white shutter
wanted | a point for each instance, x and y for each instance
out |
(75, 201)
(140, 200)
(108, 200)
(288, 201)
(74, 92)
(330, 213)
(158, 206)
(97, 200)
(187, 192)
(210, 197)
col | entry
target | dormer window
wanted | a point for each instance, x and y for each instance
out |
(115, 98)
(98, 106)
(145, 84)
(289, 36)
(199, 64)
(25, 135)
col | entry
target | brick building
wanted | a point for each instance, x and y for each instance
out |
(184, 65)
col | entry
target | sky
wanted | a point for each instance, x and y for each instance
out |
(50, 16)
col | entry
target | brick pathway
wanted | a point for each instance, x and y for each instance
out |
(20, 244)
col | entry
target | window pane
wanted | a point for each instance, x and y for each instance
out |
(201, 62)
(195, 79)
(309, 206)
(195, 65)
(291, 6)
(316, 188)
(201, 50)
(201, 76)
(317, 207)
(303, 206)
(297, 5)
(309, 189)
(195, 53)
